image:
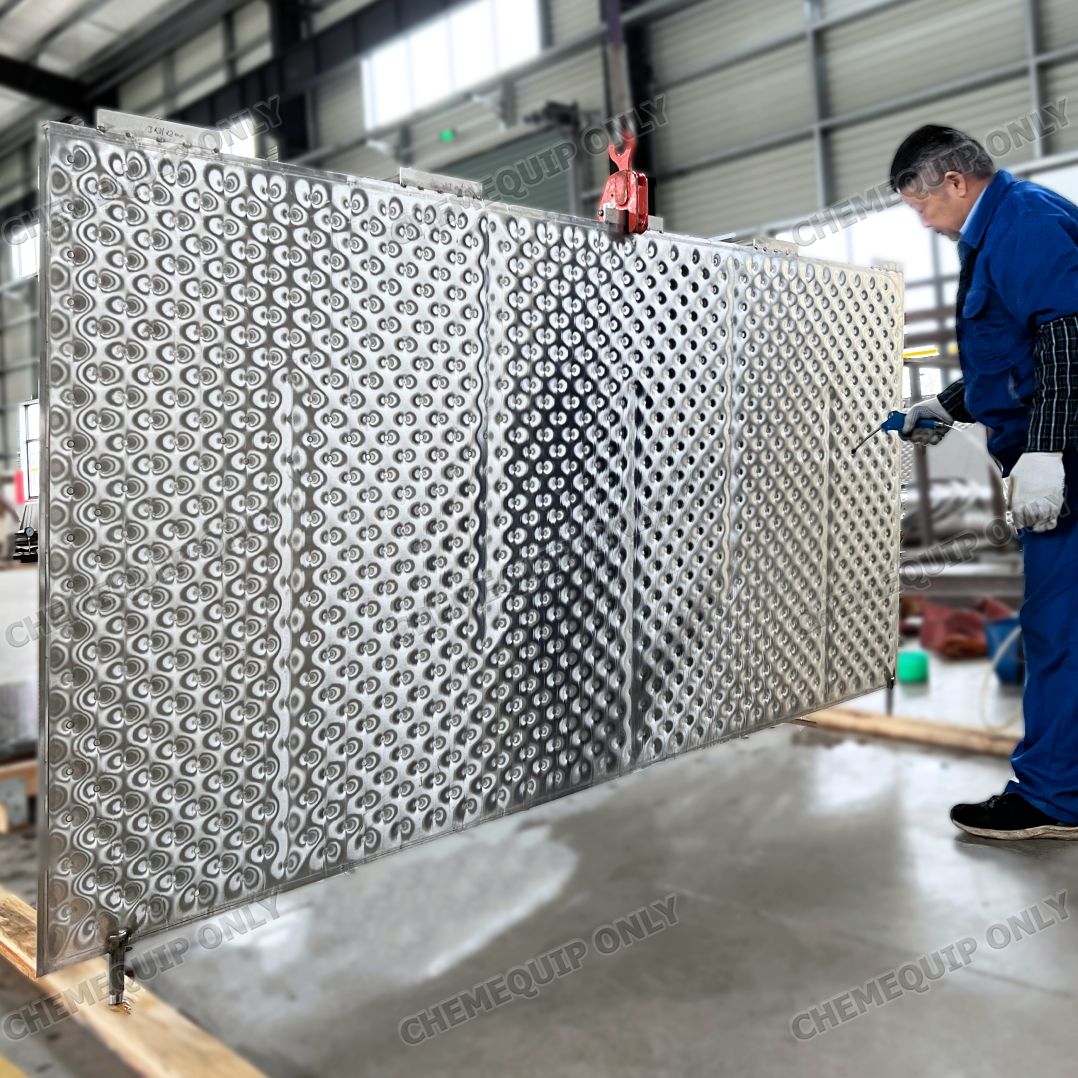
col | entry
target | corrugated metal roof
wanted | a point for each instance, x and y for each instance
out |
(917, 45)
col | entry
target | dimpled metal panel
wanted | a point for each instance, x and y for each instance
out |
(855, 325)
(371, 514)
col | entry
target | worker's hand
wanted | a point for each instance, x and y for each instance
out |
(1037, 491)
(927, 409)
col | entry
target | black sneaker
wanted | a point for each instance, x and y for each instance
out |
(1011, 817)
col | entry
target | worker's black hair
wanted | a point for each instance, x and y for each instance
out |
(927, 155)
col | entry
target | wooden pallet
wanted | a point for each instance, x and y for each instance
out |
(18, 783)
(148, 1035)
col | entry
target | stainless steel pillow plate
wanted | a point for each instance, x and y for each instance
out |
(372, 513)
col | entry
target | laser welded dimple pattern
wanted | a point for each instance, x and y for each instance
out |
(687, 673)
(265, 398)
(420, 298)
(779, 491)
(860, 319)
(373, 513)
(82, 517)
(556, 709)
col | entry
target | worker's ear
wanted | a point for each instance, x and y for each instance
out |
(956, 183)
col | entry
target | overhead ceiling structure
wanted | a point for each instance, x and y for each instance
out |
(44, 44)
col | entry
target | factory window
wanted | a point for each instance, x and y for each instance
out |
(893, 235)
(920, 297)
(24, 254)
(473, 42)
(931, 381)
(29, 450)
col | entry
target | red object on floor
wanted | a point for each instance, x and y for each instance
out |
(993, 610)
(956, 634)
(20, 487)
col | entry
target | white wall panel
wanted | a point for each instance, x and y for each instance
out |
(473, 121)
(147, 88)
(1057, 23)
(570, 18)
(828, 8)
(578, 78)
(338, 109)
(918, 45)
(199, 89)
(19, 341)
(334, 12)
(742, 194)
(521, 169)
(251, 27)
(251, 23)
(363, 161)
(1061, 81)
(709, 31)
(10, 170)
(200, 54)
(751, 100)
(862, 152)
(250, 60)
(338, 106)
(21, 386)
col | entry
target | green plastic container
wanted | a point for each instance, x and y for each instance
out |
(912, 667)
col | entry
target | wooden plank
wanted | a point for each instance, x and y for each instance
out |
(148, 1035)
(848, 720)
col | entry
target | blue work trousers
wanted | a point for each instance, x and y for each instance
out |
(1045, 761)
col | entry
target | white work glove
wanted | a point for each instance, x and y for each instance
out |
(928, 409)
(1037, 491)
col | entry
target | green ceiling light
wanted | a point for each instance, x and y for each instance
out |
(448, 135)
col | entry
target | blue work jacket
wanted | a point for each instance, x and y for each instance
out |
(1025, 273)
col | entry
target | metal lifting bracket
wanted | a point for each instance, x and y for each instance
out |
(182, 136)
(443, 185)
(772, 246)
(119, 944)
(624, 202)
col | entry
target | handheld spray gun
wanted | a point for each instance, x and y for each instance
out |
(896, 421)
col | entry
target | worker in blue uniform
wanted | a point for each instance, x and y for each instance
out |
(1017, 329)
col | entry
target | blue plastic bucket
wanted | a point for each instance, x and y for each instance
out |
(1011, 664)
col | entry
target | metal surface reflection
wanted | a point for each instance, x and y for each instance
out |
(373, 513)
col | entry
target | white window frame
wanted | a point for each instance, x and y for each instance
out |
(29, 446)
(25, 254)
(390, 98)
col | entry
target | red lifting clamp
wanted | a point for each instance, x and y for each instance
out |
(625, 197)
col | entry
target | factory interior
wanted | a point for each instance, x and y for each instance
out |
(791, 897)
